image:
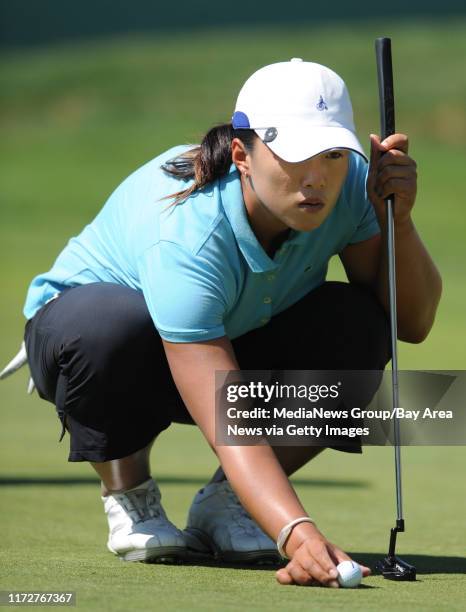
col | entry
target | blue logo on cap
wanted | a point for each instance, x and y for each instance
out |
(321, 105)
(240, 121)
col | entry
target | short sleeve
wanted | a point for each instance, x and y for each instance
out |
(183, 292)
(361, 209)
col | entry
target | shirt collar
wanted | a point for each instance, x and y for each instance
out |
(233, 204)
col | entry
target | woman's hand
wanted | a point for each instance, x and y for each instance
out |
(314, 562)
(392, 172)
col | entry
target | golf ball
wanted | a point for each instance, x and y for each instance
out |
(349, 574)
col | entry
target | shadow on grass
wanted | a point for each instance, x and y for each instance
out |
(194, 480)
(424, 564)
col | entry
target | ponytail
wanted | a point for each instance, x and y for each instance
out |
(207, 162)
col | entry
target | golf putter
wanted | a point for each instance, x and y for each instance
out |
(391, 567)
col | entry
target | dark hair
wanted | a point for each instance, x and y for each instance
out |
(208, 161)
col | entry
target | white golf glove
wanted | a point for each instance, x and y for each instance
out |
(15, 364)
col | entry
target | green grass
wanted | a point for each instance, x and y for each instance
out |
(75, 120)
(53, 527)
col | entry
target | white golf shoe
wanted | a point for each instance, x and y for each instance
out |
(219, 525)
(139, 527)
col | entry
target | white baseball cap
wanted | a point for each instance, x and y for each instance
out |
(298, 109)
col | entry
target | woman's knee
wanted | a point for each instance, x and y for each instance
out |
(337, 326)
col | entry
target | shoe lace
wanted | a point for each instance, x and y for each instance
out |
(142, 505)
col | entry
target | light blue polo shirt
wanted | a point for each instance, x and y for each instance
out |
(199, 265)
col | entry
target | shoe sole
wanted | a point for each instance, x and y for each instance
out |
(163, 554)
(201, 542)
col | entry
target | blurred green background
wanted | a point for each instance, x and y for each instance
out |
(78, 117)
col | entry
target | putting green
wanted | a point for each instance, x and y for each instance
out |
(75, 121)
(54, 529)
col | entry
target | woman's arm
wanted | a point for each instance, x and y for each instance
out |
(274, 503)
(419, 285)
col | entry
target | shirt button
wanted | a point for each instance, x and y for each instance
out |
(270, 277)
(265, 320)
(267, 300)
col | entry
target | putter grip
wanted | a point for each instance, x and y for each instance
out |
(383, 53)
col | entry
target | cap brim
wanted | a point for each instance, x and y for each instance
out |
(295, 144)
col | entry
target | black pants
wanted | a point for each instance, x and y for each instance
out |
(94, 352)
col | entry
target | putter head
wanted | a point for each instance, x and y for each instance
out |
(394, 568)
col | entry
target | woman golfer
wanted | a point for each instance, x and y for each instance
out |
(214, 257)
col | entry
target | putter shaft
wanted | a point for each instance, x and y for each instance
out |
(394, 333)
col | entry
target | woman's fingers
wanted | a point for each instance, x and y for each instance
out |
(342, 556)
(311, 563)
(395, 141)
(315, 562)
(283, 576)
(337, 554)
(400, 187)
(313, 567)
(301, 575)
(396, 165)
(407, 171)
(390, 160)
(366, 571)
(326, 564)
(294, 573)
(392, 173)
